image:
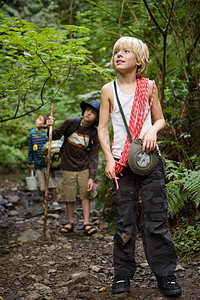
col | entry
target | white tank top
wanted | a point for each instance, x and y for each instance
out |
(120, 132)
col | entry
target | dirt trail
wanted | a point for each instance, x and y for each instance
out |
(72, 267)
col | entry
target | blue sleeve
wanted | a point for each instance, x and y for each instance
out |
(30, 151)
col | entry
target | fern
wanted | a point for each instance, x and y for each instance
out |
(183, 185)
(176, 201)
(191, 186)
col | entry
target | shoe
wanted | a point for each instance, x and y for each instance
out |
(169, 286)
(89, 231)
(56, 206)
(121, 284)
(65, 229)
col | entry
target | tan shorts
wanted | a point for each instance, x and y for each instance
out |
(73, 181)
(40, 176)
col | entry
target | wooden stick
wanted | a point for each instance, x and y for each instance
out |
(47, 176)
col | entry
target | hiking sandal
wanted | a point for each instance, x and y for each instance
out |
(67, 229)
(89, 230)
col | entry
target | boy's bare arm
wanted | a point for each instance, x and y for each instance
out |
(150, 137)
(103, 130)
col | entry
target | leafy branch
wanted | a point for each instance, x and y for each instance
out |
(120, 21)
(42, 54)
(164, 32)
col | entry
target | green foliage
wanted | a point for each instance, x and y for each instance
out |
(12, 152)
(36, 63)
(191, 186)
(176, 200)
(105, 186)
(41, 12)
(195, 159)
(105, 197)
(183, 186)
(175, 96)
(187, 237)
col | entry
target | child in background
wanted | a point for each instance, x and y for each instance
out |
(37, 138)
(79, 163)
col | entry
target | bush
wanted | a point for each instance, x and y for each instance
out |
(187, 237)
(183, 186)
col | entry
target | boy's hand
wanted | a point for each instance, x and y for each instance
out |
(31, 167)
(109, 168)
(149, 140)
(50, 121)
(90, 184)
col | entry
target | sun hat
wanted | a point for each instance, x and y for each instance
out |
(93, 103)
(140, 162)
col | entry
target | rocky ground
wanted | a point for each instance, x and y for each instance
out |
(72, 267)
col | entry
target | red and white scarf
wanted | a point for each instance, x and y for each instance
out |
(137, 119)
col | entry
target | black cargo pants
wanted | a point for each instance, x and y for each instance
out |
(158, 245)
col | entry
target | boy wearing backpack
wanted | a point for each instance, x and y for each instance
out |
(37, 139)
(79, 162)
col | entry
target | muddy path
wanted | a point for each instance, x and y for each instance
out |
(72, 267)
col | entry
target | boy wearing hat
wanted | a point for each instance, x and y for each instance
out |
(139, 98)
(79, 162)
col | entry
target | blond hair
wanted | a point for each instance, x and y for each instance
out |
(139, 49)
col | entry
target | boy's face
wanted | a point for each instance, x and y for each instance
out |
(39, 122)
(124, 60)
(90, 114)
